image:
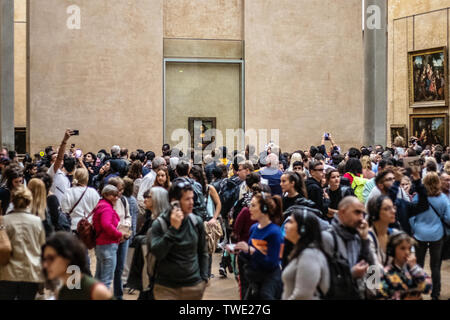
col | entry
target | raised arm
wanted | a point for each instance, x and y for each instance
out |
(61, 150)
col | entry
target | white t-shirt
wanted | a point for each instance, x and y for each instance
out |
(60, 183)
(83, 208)
(147, 183)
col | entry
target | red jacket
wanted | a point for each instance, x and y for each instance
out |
(242, 225)
(105, 221)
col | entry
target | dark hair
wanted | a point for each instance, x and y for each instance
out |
(431, 166)
(329, 173)
(48, 149)
(178, 188)
(319, 157)
(146, 193)
(374, 207)
(135, 171)
(299, 183)
(309, 231)
(223, 152)
(199, 175)
(252, 179)
(445, 157)
(313, 164)
(150, 155)
(69, 247)
(165, 147)
(354, 166)
(354, 153)
(365, 152)
(182, 168)
(236, 161)
(123, 152)
(274, 205)
(217, 171)
(381, 175)
(11, 172)
(298, 163)
(128, 186)
(94, 157)
(313, 151)
(69, 164)
(12, 154)
(384, 163)
(46, 178)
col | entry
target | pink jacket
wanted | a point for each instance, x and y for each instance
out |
(105, 221)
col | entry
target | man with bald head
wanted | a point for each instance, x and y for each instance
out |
(349, 232)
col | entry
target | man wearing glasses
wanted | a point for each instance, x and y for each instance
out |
(388, 183)
(314, 186)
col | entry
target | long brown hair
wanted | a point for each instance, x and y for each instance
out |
(274, 205)
(167, 183)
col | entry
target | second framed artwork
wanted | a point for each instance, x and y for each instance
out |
(428, 78)
(430, 128)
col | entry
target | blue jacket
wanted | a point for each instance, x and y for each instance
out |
(273, 176)
(427, 226)
(405, 209)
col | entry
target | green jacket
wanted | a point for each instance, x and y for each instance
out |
(181, 255)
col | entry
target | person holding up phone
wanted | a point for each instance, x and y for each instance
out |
(179, 245)
(62, 167)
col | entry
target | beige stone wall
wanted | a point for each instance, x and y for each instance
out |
(413, 25)
(105, 79)
(304, 70)
(202, 90)
(20, 63)
(303, 59)
(203, 19)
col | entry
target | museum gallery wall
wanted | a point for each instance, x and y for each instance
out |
(419, 75)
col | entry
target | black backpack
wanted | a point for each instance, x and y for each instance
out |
(342, 285)
(199, 198)
(229, 195)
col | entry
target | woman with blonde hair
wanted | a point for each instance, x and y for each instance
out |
(80, 200)
(21, 277)
(367, 167)
(39, 204)
(428, 229)
(398, 145)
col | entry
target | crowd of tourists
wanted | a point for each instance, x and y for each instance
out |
(322, 223)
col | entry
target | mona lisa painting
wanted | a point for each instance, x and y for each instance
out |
(197, 129)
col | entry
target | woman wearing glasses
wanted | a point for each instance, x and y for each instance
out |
(264, 248)
(63, 252)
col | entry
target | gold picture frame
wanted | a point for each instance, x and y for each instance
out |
(431, 128)
(428, 78)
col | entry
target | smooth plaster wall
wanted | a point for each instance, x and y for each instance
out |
(412, 27)
(20, 63)
(202, 90)
(304, 70)
(105, 79)
(203, 19)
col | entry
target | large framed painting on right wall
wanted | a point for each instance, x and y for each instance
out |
(428, 78)
(430, 128)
